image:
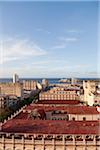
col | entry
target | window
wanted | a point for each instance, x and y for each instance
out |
(73, 118)
(84, 118)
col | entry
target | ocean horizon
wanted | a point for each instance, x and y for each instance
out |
(50, 80)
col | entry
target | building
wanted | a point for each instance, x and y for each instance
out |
(44, 83)
(74, 81)
(8, 100)
(96, 98)
(29, 85)
(53, 124)
(61, 112)
(45, 127)
(91, 93)
(25, 134)
(3, 101)
(59, 93)
(15, 78)
(15, 89)
(89, 88)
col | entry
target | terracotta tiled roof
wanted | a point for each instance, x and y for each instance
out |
(69, 109)
(69, 102)
(51, 127)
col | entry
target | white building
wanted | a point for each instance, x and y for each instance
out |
(15, 78)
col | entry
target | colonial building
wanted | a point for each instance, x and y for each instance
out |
(25, 134)
(53, 124)
(59, 93)
(67, 112)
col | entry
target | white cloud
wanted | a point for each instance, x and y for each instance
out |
(43, 30)
(63, 41)
(59, 46)
(68, 39)
(19, 49)
(74, 31)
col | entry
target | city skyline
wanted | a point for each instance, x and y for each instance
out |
(49, 39)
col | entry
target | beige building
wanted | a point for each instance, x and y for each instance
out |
(29, 85)
(22, 132)
(89, 88)
(10, 88)
(17, 134)
(59, 93)
(97, 98)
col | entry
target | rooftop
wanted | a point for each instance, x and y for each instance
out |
(61, 102)
(69, 109)
(51, 127)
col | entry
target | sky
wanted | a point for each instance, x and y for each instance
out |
(49, 39)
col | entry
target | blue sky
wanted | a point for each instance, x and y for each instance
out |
(49, 39)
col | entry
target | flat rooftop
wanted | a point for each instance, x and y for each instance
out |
(51, 127)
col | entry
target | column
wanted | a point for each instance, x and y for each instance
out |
(13, 142)
(74, 143)
(33, 142)
(43, 142)
(64, 142)
(23, 146)
(84, 142)
(53, 140)
(3, 142)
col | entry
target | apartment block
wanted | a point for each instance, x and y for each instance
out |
(29, 85)
(15, 89)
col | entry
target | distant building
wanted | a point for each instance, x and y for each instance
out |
(15, 78)
(29, 85)
(3, 101)
(14, 89)
(59, 93)
(45, 83)
(89, 88)
(73, 81)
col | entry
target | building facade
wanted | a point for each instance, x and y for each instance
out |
(59, 93)
(29, 85)
(49, 142)
(15, 89)
(15, 78)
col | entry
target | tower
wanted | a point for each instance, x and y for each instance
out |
(15, 78)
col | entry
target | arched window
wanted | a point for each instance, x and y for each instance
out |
(73, 118)
(84, 118)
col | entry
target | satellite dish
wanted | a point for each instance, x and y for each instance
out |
(39, 86)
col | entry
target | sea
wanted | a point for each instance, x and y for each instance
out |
(50, 80)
